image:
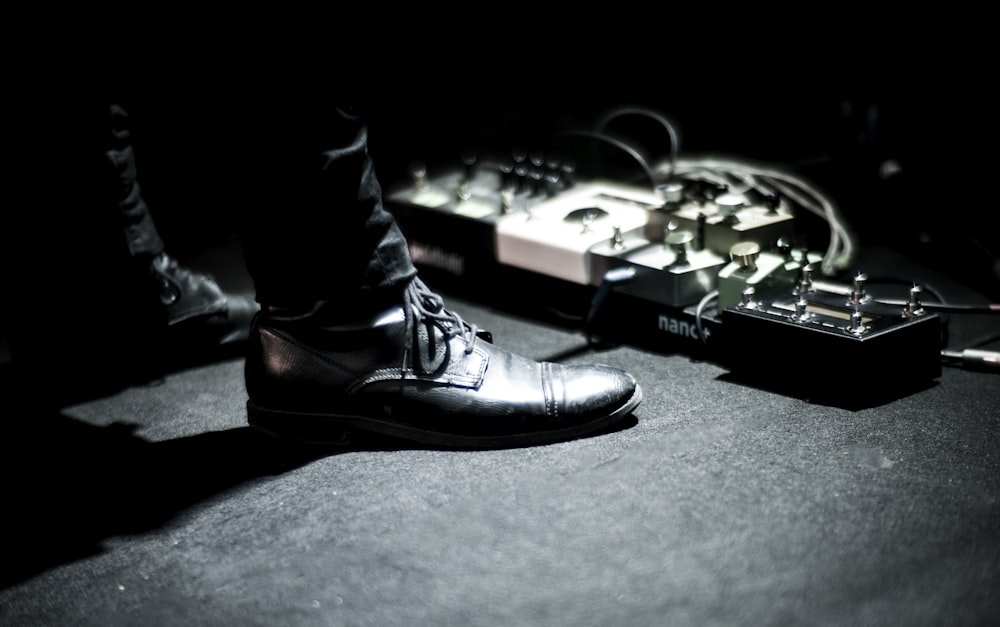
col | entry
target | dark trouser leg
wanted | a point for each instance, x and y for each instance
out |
(320, 232)
(141, 237)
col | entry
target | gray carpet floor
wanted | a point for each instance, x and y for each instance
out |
(716, 504)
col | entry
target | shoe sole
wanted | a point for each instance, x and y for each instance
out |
(318, 428)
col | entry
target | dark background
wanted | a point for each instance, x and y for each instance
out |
(833, 95)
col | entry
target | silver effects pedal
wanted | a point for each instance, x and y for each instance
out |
(719, 219)
(669, 271)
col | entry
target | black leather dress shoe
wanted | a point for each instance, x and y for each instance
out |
(421, 373)
(203, 321)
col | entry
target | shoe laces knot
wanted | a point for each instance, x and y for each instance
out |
(427, 307)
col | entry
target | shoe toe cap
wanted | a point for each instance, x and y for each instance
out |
(598, 390)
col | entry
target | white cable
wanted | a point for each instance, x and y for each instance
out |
(700, 310)
(618, 112)
(621, 145)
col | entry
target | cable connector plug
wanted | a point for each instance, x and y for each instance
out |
(974, 358)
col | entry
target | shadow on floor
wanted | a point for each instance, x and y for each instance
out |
(71, 484)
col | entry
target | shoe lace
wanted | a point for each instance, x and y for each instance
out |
(424, 305)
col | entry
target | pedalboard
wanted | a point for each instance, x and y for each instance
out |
(677, 266)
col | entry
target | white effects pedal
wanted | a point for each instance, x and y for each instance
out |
(554, 236)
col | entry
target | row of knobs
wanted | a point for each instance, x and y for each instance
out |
(856, 299)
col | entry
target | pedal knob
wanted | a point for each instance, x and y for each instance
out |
(784, 246)
(678, 241)
(418, 174)
(679, 237)
(745, 254)
(536, 174)
(567, 169)
(521, 170)
(506, 201)
(913, 306)
(552, 184)
(802, 310)
(746, 299)
(673, 192)
(702, 225)
(506, 179)
(857, 326)
(858, 295)
(468, 158)
(617, 239)
(805, 284)
(729, 205)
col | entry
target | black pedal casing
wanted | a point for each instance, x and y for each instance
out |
(820, 356)
(636, 321)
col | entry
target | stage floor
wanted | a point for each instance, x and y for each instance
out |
(717, 504)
